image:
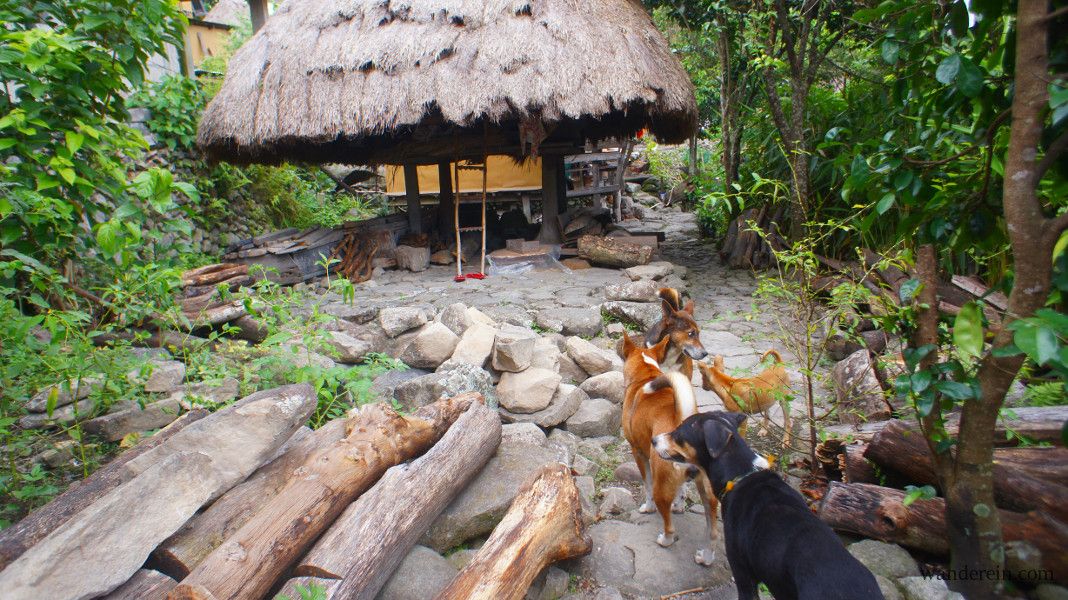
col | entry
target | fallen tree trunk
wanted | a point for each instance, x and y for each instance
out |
(904, 449)
(377, 437)
(183, 551)
(543, 525)
(22, 535)
(170, 340)
(855, 468)
(144, 585)
(611, 252)
(880, 513)
(212, 274)
(365, 545)
(1036, 423)
(129, 521)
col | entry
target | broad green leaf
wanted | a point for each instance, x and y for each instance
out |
(969, 79)
(53, 399)
(917, 493)
(74, 141)
(67, 174)
(908, 290)
(948, 69)
(968, 330)
(1045, 345)
(920, 381)
(889, 51)
(955, 390)
(884, 203)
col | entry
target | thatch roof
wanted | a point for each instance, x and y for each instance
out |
(380, 81)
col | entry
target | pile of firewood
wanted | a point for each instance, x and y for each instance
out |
(745, 248)
(244, 501)
(1030, 487)
(202, 300)
(356, 255)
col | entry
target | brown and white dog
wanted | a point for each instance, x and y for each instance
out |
(678, 326)
(749, 395)
(655, 403)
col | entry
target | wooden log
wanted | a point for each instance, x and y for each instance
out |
(611, 252)
(367, 543)
(1036, 423)
(855, 468)
(232, 284)
(17, 538)
(215, 315)
(902, 448)
(169, 340)
(977, 288)
(212, 274)
(377, 437)
(132, 519)
(879, 512)
(187, 548)
(146, 584)
(543, 525)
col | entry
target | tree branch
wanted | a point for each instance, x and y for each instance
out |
(1054, 152)
(1060, 12)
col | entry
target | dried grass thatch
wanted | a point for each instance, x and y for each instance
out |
(380, 81)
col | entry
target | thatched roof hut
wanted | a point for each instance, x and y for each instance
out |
(425, 81)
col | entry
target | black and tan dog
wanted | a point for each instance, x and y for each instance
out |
(770, 534)
(680, 329)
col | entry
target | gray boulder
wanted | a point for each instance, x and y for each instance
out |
(888, 588)
(433, 345)
(528, 391)
(475, 345)
(616, 501)
(551, 584)
(546, 355)
(609, 386)
(450, 379)
(454, 316)
(214, 391)
(654, 271)
(643, 290)
(570, 321)
(594, 418)
(513, 348)
(421, 575)
(399, 319)
(592, 359)
(347, 349)
(627, 555)
(383, 386)
(66, 393)
(640, 314)
(523, 433)
(889, 560)
(480, 506)
(923, 588)
(412, 258)
(115, 426)
(564, 403)
(569, 370)
(164, 376)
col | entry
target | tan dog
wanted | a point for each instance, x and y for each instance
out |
(749, 395)
(655, 403)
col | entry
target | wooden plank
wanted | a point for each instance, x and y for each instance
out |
(552, 173)
(605, 189)
(977, 288)
(146, 584)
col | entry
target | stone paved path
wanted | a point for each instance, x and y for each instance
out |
(734, 323)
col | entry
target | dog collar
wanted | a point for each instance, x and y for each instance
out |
(734, 482)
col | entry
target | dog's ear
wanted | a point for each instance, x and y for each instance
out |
(689, 307)
(629, 346)
(669, 310)
(736, 419)
(660, 349)
(717, 436)
(717, 362)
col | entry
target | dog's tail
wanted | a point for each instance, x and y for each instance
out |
(672, 297)
(772, 352)
(685, 400)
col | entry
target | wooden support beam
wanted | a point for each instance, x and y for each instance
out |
(552, 175)
(446, 201)
(258, 12)
(411, 194)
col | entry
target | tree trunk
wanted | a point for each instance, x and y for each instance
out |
(904, 449)
(367, 543)
(34, 527)
(1036, 423)
(183, 551)
(249, 562)
(613, 252)
(543, 525)
(132, 519)
(856, 468)
(880, 513)
(144, 585)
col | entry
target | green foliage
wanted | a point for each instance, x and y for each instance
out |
(312, 591)
(1053, 393)
(175, 103)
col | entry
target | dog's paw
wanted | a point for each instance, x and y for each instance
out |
(666, 540)
(647, 508)
(704, 556)
(678, 507)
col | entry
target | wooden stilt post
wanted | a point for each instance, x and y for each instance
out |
(258, 12)
(552, 174)
(446, 201)
(411, 193)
